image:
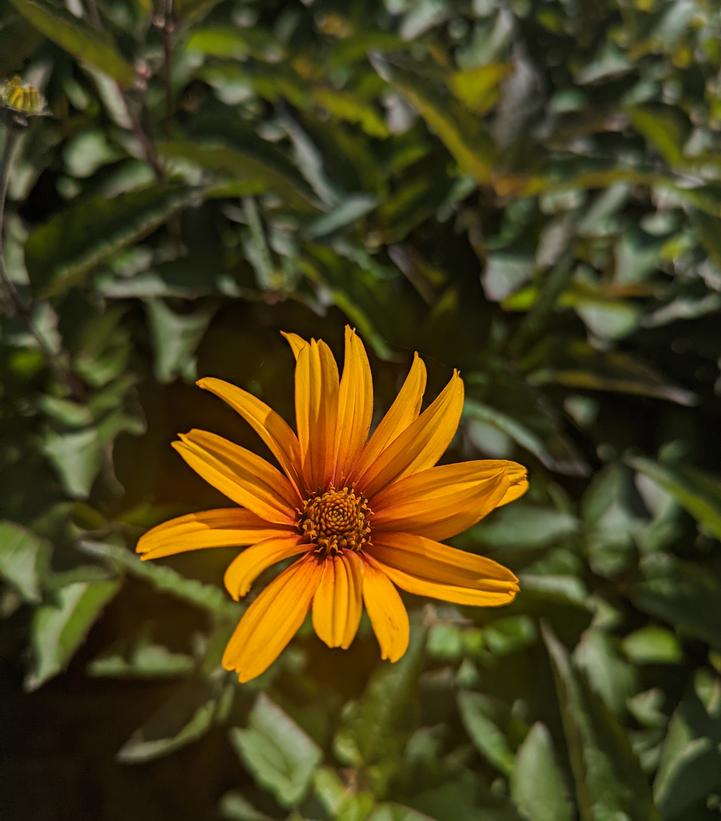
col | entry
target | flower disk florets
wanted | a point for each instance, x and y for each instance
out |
(336, 520)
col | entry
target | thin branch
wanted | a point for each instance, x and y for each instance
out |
(168, 30)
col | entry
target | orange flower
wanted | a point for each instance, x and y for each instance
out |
(364, 514)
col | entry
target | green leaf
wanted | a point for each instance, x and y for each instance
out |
(582, 366)
(608, 777)
(63, 251)
(477, 713)
(522, 525)
(251, 168)
(175, 338)
(166, 580)
(563, 458)
(374, 729)
(396, 812)
(190, 712)
(279, 754)
(478, 87)
(24, 560)
(690, 767)
(460, 131)
(684, 594)
(538, 787)
(78, 38)
(652, 645)
(140, 659)
(697, 492)
(608, 673)
(60, 627)
(345, 213)
(662, 127)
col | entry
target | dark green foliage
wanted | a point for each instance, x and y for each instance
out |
(528, 191)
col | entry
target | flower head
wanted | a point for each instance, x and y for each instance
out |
(22, 99)
(360, 514)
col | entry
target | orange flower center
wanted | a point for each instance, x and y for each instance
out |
(336, 520)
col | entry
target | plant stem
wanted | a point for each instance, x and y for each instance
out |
(168, 29)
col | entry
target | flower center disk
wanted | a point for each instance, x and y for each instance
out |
(336, 520)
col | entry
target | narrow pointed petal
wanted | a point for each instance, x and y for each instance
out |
(445, 500)
(272, 620)
(297, 343)
(386, 611)
(402, 412)
(270, 426)
(316, 411)
(355, 406)
(515, 491)
(337, 602)
(248, 565)
(421, 444)
(427, 568)
(225, 527)
(241, 475)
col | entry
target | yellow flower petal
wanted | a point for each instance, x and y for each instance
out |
(515, 491)
(241, 475)
(402, 412)
(270, 426)
(386, 611)
(225, 527)
(355, 406)
(445, 500)
(337, 601)
(316, 412)
(272, 620)
(421, 444)
(248, 565)
(297, 343)
(428, 568)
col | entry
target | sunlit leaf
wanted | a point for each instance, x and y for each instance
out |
(60, 626)
(24, 560)
(77, 37)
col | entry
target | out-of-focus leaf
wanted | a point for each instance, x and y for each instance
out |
(652, 645)
(366, 300)
(696, 491)
(64, 250)
(683, 594)
(345, 213)
(373, 732)
(608, 673)
(476, 711)
(175, 338)
(24, 560)
(166, 580)
(663, 129)
(75, 36)
(522, 526)
(60, 626)
(186, 716)
(478, 87)
(537, 784)
(248, 169)
(338, 800)
(140, 659)
(583, 367)
(461, 132)
(279, 754)
(567, 462)
(609, 780)
(690, 767)
(78, 455)
(235, 807)
(396, 812)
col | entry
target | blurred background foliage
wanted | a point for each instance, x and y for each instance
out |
(529, 191)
